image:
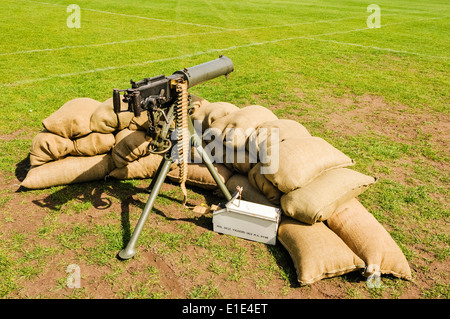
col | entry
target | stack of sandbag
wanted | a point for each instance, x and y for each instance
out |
(360, 230)
(317, 252)
(351, 239)
(68, 150)
(324, 228)
(85, 140)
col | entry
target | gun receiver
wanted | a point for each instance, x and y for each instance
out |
(158, 94)
(159, 90)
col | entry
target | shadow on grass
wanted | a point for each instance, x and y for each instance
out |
(284, 263)
(22, 168)
(101, 195)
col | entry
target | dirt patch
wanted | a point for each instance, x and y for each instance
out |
(173, 280)
(15, 135)
(167, 277)
(367, 113)
(372, 115)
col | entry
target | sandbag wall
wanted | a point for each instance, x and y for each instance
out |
(84, 140)
(68, 150)
(325, 229)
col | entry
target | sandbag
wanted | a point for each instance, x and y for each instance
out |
(199, 175)
(207, 113)
(238, 125)
(47, 147)
(260, 182)
(249, 192)
(318, 200)
(277, 130)
(197, 101)
(362, 232)
(214, 148)
(73, 119)
(217, 153)
(130, 145)
(139, 123)
(105, 120)
(69, 170)
(317, 252)
(238, 160)
(300, 160)
(143, 167)
(93, 144)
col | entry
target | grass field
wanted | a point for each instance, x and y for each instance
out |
(381, 95)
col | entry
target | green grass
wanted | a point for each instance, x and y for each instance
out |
(309, 61)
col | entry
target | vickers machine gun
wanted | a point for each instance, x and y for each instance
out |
(166, 101)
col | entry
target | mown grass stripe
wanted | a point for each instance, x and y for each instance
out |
(311, 37)
(132, 16)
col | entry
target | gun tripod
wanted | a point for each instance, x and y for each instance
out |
(157, 95)
(155, 186)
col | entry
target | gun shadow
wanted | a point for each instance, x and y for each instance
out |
(101, 194)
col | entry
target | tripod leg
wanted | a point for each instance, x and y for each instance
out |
(158, 171)
(198, 146)
(130, 251)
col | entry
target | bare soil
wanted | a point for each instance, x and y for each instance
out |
(29, 216)
(30, 210)
(367, 113)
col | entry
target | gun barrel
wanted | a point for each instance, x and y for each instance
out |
(207, 71)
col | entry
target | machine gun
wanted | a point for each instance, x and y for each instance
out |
(166, 101)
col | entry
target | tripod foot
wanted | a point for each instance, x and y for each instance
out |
(127, 253)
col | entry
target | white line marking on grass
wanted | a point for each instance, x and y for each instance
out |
(174, 36)
(299, 23)
(111, 68)
(171, 36)
(378, 48)
(108, 43)
(383, 25)
(195, 33)
(311, 38)
(132, 16)
(404, 10)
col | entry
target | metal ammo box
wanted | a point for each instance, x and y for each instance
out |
(248, 220)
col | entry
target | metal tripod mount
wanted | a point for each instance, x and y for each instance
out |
(155, 186)
(166, 100)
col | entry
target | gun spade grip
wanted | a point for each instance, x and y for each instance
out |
(116, 100)
(207, 71)
(136, 103)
